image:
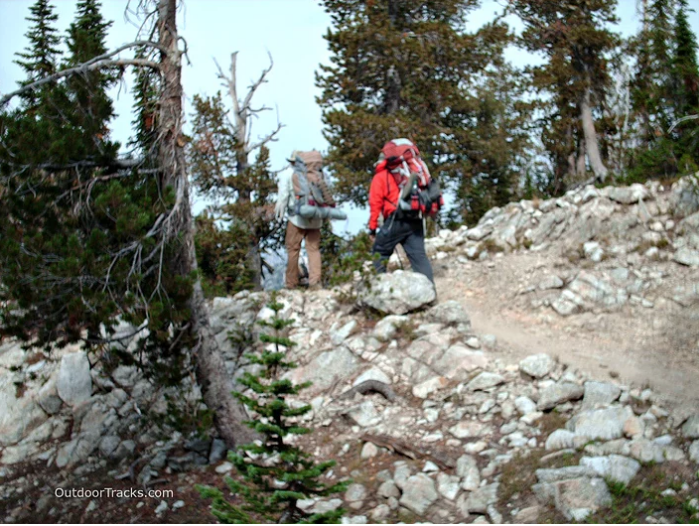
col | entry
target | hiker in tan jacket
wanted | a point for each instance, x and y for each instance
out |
(299, 228)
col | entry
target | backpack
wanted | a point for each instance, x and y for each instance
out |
(311, 194)
(420, 193)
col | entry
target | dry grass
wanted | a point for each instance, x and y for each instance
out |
(489, 245)
(550, 422)
(519, 475)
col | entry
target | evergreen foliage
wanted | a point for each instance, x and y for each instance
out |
(276, 474)
(92, 107)
(40, 58)
(575, 40)
(686, 89)
(73, 214)
(345, 260)
(244, 193)
(402, 69)
(665, 90)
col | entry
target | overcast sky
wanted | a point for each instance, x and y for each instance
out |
(291, 30)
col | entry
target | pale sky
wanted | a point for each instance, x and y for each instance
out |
(291, 30)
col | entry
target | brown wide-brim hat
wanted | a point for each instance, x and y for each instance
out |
(313, 157)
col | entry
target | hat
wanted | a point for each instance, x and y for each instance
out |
(293, 156)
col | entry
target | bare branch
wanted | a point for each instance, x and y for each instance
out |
(254, 86)
(271, 137)
(681, 120)
(92, 64)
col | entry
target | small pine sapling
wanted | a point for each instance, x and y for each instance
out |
(276, 475)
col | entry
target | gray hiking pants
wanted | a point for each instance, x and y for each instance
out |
(406, 232)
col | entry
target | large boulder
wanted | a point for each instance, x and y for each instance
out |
(627, 195)
(19, 414)
(418, 493)
(602, 424)
(326, 368)
(577, 498)
(599, 394)
(458, 361)
(690, 429)
(398, 293)
(614, 467)
(559, 393)
(74, 383)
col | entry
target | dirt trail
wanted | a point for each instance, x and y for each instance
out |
(645, 347)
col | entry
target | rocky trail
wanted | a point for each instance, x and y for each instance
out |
(551, 379)
(637, 345)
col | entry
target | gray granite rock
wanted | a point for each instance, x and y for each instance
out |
(690, 428)
(577, 498)
(557, 394)
(604, 424)
(599, 394)
(418, 493)
(467, 469)
(74, 383)
(450, 313)
(399, 292)
(537, 365)
(614, 467)
(485, 380)
(386, 328)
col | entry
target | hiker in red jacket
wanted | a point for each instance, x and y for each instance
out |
(399, 193)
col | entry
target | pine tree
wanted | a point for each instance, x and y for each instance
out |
(652, 91)
(497, 146)
(92, 108)
(277, 474)
(685, 76)
(402, 69)
(575, 39)
(40, 58)
(79, 255)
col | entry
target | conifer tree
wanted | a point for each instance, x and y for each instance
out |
(664, 91)
(575, 39)
(92, 108)
(497, 145)
(685, 76)
(652, 91)
(403, 69)
(41, 56)
(79, 254)
(277, 474)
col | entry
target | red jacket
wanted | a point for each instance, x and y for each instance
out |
(383, 197)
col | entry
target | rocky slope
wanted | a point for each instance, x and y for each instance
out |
(472, 426)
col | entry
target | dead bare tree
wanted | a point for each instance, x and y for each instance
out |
(211, 370)
(241, 129)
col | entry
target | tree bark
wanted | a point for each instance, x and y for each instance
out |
(581, 166)
(591, 144)
(211, 372)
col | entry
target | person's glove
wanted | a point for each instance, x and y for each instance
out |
(372, 232)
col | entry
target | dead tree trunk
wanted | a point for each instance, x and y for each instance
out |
(211, 371)
(243, 114)
(591, 144)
